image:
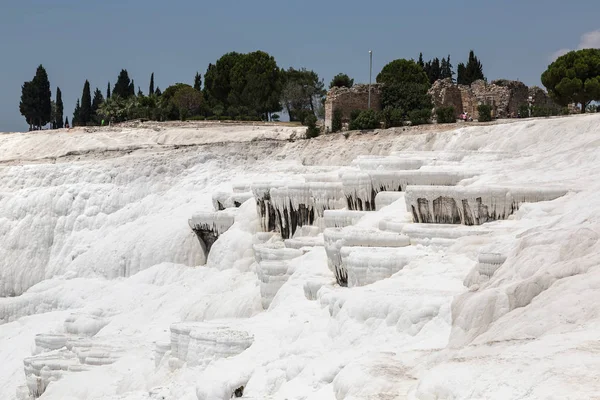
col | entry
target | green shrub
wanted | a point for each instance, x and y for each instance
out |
(391, 117)
(354, 114)
(336, 121)
(367, 119)
(275, 117)
(312, 130)
(445, 115)
(523, 111)
(419, 117)
(197, 118)
(485, 113)
(406, 96)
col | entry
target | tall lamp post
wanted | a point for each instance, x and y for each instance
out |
(370, 72)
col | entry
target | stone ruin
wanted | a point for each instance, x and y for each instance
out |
(504, 96)
(350, 99)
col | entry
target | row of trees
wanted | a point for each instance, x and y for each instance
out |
(465, 75)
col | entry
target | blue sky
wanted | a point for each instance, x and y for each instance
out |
(77, 39)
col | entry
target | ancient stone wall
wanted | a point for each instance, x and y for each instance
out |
(350, 99)
(504, 96)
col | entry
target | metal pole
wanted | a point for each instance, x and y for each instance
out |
(370, 72)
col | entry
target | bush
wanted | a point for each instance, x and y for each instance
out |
(485, 113)
(391, 117)
(312, 130)
(336, 121)
(523, 111)
(367, 119)
(197, 118)
(354, 114)
(445, 115)
(419, 117)
(275, 117)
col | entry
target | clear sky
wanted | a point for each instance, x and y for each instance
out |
(77, 40)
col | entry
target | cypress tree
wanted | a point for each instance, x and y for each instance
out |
(43, 109)
(59, 109)
(198, 82)
(157, 91)
(28, 103)
(108, 91)
(420, 62)
(76, 114)
(98, 100)
(66, 121)
(123, 87)
(473, 69)
(131, 89)
(140, 93)
(151, 89)
(85, 114)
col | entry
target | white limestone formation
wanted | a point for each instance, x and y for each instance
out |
(199, 343)
(384, 199)
(366, 265)
(301, 204)
(487, 265)
(336, 238)
(262, 194)
(361, 188)
(303, 242)
(471, 205)
(342, 218)
(209, 225)
(56, 355)
(273, 269)
(224, 200)
(312, 286)
(86, 324)
(369, 163)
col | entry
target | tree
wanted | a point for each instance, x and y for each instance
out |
(132, 88)
(66, 121)
(123, 88)
(420, 62)
(188, 101)
(85, 113)
(151, 88)
(59, 109)
(402, 71)
(256, 84)
(302, 93)
(76, 114)
(108, 91)
(446, 69)
(574, 78)
(434, 70)
(406, 97)
(36, 105)
(217, 80)
(28, 103)
(198, 82)
(157, 91)
(96, 103)
(341, 80)
(460, 74)
(471, 72)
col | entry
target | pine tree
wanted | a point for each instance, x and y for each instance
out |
(198, 82)
(123, 87)
(59, 109)
(85, 115)
(151, 89)
(108, 91)
(76, 114)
